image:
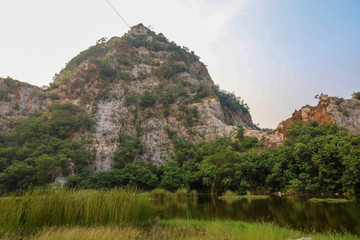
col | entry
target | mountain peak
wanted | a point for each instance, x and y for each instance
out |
(139, 29)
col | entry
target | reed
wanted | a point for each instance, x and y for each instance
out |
(181, 193)
(160, 194)
(60, 207)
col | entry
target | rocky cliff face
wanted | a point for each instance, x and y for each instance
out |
(18, 99)
(140, 85)
(343, 112)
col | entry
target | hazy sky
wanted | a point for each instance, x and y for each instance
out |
(275, 54)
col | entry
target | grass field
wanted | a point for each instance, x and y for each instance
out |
(120, 214)
(180, 229)
(46, 208)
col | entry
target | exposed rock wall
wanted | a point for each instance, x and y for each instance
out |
(18, 99)
(343, 112)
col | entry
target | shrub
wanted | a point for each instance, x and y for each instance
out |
(131, 99)
(95, 51)
(126, 76)
(10, 83)
(169, 69)
(129, 149)
(107, 73)
(356, 95)
(142, 74)
(54, 96)
(338, 101)
(148, 99)
(230, 101)
(125, 60)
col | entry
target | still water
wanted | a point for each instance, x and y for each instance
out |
(294, 212)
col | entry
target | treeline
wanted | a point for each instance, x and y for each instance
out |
(315, 158)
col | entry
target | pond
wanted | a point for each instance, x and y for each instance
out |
(294, 212)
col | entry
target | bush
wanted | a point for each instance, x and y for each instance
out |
(54, 96)
(126, 76)
(148, 99)
(106, 72)
(356, 95)
(10, 83)
(131, 99)
(169, 69)
(338, 101)
(230, 101)
(129, 149)
(142, 74)
(95, 51)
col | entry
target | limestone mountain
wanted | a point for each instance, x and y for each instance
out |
(140, 86)
(342, 112)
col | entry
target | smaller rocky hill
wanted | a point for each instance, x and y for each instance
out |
(343, 112)
(19, 99)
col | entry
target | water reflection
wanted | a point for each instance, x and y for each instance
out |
(296, 212)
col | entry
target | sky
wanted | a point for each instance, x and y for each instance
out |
(275, 54)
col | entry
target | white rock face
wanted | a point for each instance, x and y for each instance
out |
(346, 114)
(272, 138)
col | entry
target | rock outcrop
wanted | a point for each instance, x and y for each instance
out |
(19, 99)
(343, 112)
(271, 138)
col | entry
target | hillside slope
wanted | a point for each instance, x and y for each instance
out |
(139, 87)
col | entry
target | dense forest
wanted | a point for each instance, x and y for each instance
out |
(315, 158)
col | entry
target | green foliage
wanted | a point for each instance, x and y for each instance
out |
(230, 101)
(10, 83)
(148, 99)
(54, 96)
(46, 208)
(39, 148)
(142, 74)
(95, 51)
(137, 40)
(169, 69)
(124, 60)
(107, 73)
(189, 115)
(239, 132)
(126, 76)
(131, 99)
(338, 101)
(8, 88)
(130, 148)
(356, 95)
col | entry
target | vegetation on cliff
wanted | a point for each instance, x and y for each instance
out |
(40, 148)
(316, 158)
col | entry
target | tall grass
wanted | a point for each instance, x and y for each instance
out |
(161, 194)
(60, 207)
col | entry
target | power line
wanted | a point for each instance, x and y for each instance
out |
(117, 13)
